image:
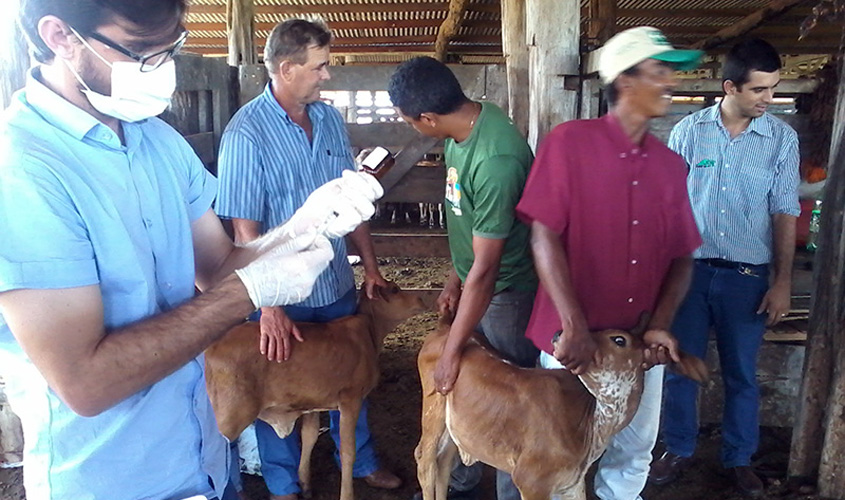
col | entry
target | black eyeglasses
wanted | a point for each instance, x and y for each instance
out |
(149, 62)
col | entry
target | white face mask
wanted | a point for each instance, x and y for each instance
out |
(135, 95)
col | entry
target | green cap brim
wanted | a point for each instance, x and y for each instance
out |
(682, 59)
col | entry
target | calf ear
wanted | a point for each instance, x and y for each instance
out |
(692, 367)
(642, 324)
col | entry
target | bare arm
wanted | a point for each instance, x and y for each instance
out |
(777, 300)
(275, 326)
(364, 243)
(92, 369)
(672, 292)
(576, 347)
(477, 293)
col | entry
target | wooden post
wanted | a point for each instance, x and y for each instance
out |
(602, 21)
(14, 58)
(517, 61)
(819, 435)
(240, 25)
(450, 27)
(554, 49)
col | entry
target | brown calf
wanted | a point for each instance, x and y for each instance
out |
(545, 427)
(333, 369)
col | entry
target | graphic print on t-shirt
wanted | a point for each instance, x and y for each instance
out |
(453, 191)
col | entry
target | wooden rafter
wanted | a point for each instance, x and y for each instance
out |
(346, 8)
(450, 27)
(360, 25)
(748, 23)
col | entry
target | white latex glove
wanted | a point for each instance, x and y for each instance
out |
(285, 274)
(337, 207)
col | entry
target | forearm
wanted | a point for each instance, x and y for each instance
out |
(476, 296)
(129, 359)
(552, 268)
(783, 247)
(362, 240)
(673, 290)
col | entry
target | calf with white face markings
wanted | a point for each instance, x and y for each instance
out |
(545, 427)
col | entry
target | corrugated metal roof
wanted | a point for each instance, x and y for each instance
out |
(391, 30)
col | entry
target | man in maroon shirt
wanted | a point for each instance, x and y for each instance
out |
(612, 235)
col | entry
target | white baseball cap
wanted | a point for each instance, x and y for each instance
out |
(633, 46)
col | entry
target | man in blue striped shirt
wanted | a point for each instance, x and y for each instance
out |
(742, 181)
(276, 150)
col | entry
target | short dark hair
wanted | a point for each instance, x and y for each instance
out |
(747, 56)
(291, 39)
(425, 85)
(85, 16)
(611, 93)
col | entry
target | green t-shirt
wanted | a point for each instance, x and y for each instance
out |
(485, 176)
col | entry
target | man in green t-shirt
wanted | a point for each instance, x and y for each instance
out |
(487, 162)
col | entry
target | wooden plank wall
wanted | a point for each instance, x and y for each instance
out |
(204, 102)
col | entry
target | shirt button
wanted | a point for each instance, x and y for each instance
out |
(721, 234)
(634, 261)
(645, 155)
(168, 286)
(635, 151)
(148, 222)
(623, 155)
(724, 188)
(723, 210)
(630, 299)
(635, 222)
(635, 183)
(727, 166)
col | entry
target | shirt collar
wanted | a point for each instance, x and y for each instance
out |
(621, 139)
(760, 125)
(55, 109)
(315, 112)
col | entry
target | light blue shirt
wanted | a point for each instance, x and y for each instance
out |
(77, 208)
(736, 185)
(268, 167)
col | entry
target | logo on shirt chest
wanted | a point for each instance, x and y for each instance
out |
(706, 164)
(453, 191)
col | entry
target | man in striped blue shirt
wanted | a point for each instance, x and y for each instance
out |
(276, 150)
(742, 182)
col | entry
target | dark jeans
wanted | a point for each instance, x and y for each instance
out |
(503, 324)
(726, 300)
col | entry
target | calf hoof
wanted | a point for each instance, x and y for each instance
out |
(383, 479)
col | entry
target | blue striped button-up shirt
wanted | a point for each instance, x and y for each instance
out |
(736, 185)
(268, 167)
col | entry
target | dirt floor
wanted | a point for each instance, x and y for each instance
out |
(394, 421)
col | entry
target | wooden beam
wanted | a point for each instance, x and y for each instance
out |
(240, 26)
(449, 28)
(358, 25)
(517, 62)
(748, 23)
(602, 23)
(682, 13)
(407, 159)
(348, 8)
(208, 46)
(409, 245)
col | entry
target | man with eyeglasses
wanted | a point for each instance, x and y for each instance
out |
(107, 228)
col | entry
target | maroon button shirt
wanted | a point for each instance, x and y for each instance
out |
(622, 213)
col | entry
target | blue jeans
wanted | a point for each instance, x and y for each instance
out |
(280, 456)
(503, 324)
(726, 300)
